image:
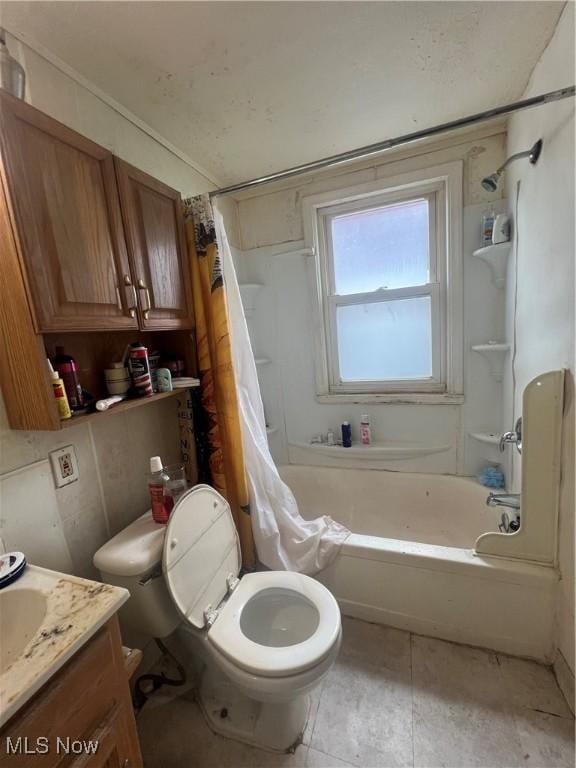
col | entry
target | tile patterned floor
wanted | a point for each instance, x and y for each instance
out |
(393, 699)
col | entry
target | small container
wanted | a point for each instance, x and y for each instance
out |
(12, 75)
(154, 362)
(330, 437)
(488, 228)
(164, 380)
(346, 435)
(117, 379)
(175, 483)
(176, 367)
(116, 372)
(160, 501)
(139, 368)
(365, 431)
(60, 394)
(118, 387)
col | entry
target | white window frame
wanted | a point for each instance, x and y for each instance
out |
(442, 186)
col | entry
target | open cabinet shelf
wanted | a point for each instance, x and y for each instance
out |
(125, 405)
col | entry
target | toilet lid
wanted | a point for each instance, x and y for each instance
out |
(201, 549)
(277, 623)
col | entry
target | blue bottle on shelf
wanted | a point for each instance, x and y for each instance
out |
(346, 435)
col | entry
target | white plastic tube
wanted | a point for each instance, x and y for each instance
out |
(103, 405)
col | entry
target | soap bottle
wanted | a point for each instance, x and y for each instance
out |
(60, 394)
(365, 431)
(160, 501)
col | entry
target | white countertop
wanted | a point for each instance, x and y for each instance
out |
(75, 610)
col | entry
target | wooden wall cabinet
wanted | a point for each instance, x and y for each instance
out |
(73, 232)
(154, 226)
(67, 213)
(88, 244)
(88, 699)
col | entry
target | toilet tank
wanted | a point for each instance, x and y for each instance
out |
(133, 560)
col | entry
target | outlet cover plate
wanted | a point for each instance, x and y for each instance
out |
(64, 466)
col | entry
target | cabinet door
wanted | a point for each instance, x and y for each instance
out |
(65, 202)
(154, 226)
(113, 745)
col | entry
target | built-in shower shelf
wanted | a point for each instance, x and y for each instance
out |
(496, 257)
(495, 353)
(375, 451)
(488, 438)
(248, 293)
(262, 361)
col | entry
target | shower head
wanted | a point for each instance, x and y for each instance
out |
(490, 183)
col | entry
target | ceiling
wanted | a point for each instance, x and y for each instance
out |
(248, 88)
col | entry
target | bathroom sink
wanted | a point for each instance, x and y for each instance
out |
(22, 611)
(45, 618)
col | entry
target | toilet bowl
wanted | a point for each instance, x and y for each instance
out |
(257, 645)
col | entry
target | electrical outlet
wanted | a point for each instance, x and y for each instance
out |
(64, 466)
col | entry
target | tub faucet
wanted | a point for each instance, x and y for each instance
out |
(511, 500)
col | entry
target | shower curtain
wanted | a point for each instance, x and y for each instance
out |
(218, 388)
(284, 539)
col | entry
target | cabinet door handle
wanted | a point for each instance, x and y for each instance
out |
(128, 284)
(145, 310)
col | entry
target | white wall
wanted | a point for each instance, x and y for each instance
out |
(271, 223)
(541, 200)
(112, 453)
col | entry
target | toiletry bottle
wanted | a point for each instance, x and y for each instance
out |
(488, 227)
(346, 435)
(164, 380)
(365, 431)
(139, 368)
(330, 437)
(66, 367)
(160, 501)
(12, 75)
(60, 394)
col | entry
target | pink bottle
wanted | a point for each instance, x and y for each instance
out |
(365, 432)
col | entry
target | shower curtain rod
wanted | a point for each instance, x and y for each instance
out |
(381, 146)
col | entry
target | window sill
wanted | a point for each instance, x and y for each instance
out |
(400, 398)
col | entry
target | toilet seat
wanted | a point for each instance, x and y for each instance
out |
(269, 624)
(201, 556)
(299, 604)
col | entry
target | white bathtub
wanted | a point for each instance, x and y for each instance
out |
(410, 563)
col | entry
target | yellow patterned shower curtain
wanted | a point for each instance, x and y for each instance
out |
(226, 457)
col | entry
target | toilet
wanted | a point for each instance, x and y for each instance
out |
(256, 646)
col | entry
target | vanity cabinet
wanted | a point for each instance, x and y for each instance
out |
(154, 226)
(63, 192)
(88, 701)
